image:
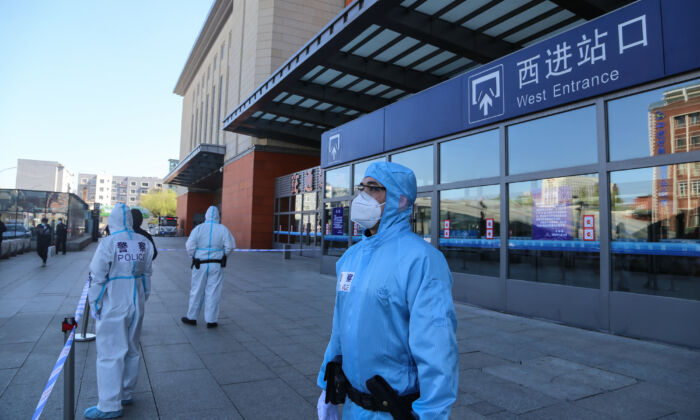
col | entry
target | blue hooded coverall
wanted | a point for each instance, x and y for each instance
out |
(396, 318)
(208, 241)
(121, 269)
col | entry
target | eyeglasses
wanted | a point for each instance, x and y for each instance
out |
(371, 188)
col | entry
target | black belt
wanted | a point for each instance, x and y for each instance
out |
(196, 262)
(368, 402)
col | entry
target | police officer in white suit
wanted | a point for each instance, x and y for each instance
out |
(121, 269)
(208, 245)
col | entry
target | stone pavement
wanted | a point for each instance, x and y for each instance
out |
(262, 361)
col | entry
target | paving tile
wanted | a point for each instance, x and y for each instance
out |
(13, 355)
(478, 359)
(560, 378)
(175, 392)
(6, 376)
(484, 408)
(269, 399)
(501, 393)
(564, 411)
(626, 403)
(169, 357)
(236, 367)
(462, 412)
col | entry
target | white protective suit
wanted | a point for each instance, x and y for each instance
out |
(208, 241)
(121, 269)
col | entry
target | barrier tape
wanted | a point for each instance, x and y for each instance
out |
(253, 250)
(58, 367)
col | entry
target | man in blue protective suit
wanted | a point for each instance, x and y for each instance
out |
(393, 348)
(208, 245)
(121, 270)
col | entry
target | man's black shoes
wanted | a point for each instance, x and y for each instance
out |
(212, 324)
(188, 321)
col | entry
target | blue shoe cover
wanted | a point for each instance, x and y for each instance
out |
(94, 413)
(128, 402)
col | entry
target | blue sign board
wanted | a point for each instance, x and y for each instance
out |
(624, 48)
(551, 213)
(337, 223)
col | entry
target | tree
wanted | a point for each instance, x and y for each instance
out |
(160, 202)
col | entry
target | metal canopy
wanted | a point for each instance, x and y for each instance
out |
(378, 51)
(199, 169)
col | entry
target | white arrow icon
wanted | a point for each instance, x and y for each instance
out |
(485, 103)
(484, 99)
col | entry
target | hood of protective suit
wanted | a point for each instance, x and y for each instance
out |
(401, 190)
(212, 215)
(137, 217)
(120, 218)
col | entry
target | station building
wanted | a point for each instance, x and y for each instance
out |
(556, 147)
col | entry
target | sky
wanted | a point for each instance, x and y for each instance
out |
(90, 84)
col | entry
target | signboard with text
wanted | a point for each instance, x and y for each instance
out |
(337, 222)
(551, 215)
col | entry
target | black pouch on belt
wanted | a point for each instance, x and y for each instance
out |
(196, 262)
(223, 261)
(388, 398)
(336, 383)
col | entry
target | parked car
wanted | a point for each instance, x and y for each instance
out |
(16, 230)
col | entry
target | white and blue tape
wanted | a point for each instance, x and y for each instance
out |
(58, 367)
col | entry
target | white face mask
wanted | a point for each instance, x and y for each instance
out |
(365, 210)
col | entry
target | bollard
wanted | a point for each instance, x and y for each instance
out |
(84, 335)
(286, 253)
(69, 373)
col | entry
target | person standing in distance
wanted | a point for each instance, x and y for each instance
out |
(43, 240)
(137, 217)
(393, 347)
(3, 229)
(121, 269)
(208, 245)
(61, 237)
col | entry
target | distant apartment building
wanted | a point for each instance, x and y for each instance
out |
(43, 175)
(112, 189)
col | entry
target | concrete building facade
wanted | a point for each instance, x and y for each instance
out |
(109, 189)
(240, 45)
(43, 175)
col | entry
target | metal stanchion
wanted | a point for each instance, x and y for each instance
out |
(69, 373)
(84, 335)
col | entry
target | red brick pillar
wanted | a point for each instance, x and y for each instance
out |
(247, 198)
(187, 205)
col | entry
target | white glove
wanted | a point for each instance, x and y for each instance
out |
(326, 411)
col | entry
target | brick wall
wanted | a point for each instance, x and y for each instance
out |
(247, 202)
(190, 203)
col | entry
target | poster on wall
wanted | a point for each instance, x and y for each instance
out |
(338, 221)
(551, 213)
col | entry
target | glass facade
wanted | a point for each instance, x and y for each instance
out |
(657, 122)
(553, 225)
(470, 223)
(296, 216)
(646, 213)
(470, 157)
(337, 182)
(22, 211)
(556, 141)
(420, 161)
(655, 231)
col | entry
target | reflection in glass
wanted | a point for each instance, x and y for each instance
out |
(310, 202)
(656, 231)
(470, 223)
(421, 218)
(338, 182)
(420, 161)
(554, 231)
(335, 234)
(360, 169)
(556, 141)
(283, 228)
(655, 123)
(470, 157)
